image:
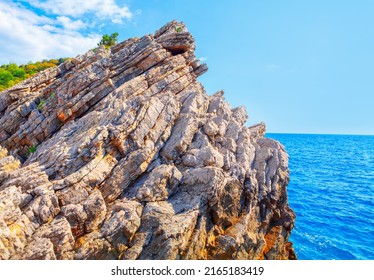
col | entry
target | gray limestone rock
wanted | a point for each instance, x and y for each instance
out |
(129, 158)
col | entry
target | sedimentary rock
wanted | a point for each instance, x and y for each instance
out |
(120, 154)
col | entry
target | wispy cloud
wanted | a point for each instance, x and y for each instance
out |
(26, 36)
(203, 58)
(34, 30)
(70, 24)
(105, 9)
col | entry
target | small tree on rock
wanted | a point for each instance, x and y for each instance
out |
(108, 40)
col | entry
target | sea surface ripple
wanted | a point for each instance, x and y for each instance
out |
(332, 193)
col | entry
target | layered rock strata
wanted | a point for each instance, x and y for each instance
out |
(120, 154)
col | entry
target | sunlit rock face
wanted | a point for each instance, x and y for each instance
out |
(121, 154)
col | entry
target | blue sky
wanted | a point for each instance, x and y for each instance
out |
(299, 66)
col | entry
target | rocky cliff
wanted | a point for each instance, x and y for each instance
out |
(120, 154)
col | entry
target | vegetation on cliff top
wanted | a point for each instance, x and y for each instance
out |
(11, 74)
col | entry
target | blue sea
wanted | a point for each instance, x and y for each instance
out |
(332, 193)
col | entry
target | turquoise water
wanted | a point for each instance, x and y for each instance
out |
(332, 193)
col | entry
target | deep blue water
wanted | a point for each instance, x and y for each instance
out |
(332, 193)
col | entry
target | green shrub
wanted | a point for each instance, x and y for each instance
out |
(41, 104)
(32, 149)
(108, 40)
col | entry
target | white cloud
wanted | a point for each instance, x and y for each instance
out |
(69, 24)
(203, 59)
(105, 9)
(25, 36)
(29, 16)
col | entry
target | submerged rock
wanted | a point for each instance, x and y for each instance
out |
(120, 154)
